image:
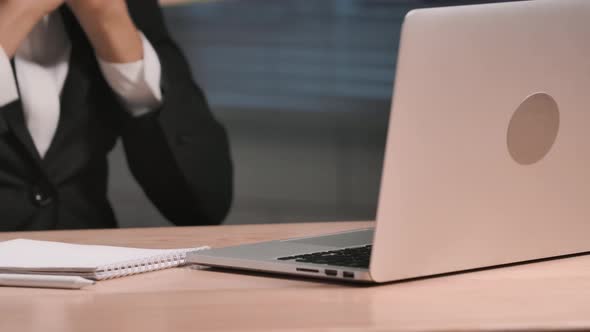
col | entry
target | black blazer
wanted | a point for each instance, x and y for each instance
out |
(179, 153)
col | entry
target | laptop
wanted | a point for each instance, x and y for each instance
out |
(487, 159)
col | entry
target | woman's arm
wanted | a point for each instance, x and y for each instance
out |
(178, 153)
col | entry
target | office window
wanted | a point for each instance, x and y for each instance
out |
(304, 87)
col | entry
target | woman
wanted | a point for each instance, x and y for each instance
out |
(75, 75)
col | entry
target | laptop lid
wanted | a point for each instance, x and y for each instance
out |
(488, 154)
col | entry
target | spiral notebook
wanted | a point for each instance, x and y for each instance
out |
(89, 261)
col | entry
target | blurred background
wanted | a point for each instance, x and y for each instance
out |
(304, 88)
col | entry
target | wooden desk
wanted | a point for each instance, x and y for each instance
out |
(543, 296)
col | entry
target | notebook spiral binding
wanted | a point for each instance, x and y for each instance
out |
(132, 267)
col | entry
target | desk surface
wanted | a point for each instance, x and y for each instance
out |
(542, 296)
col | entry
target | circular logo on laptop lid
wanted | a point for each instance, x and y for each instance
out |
(533, 129)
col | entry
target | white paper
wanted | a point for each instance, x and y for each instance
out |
(22, 254)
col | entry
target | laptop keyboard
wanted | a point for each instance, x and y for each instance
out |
(349, 257)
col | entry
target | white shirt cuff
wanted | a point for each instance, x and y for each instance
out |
(136, 83)
(8, 88)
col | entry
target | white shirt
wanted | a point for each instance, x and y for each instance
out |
(42, 64)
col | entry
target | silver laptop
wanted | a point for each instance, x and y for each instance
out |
(488, 154)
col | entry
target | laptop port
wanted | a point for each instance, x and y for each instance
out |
(300, 269)
(346, 274)
(331, 273)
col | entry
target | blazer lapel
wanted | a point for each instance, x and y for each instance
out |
(73, 100)
(14, 119)
(74, 94)
(3, 125)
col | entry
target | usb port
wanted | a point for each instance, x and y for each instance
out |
(331, 273)
(348, 274)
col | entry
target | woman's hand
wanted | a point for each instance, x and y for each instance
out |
(19, 17)
(109, 27)
(98, 8)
